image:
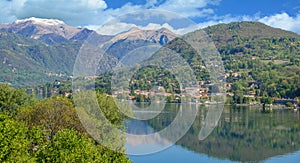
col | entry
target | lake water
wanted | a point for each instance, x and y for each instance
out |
(243, 134)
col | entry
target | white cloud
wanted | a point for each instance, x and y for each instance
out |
(151, 3)
(180, 31)
(227, 19)
(8, 8)
(116, 28)
(283, 21)
(74, 12)
(189, 8)
(95, 4)
(145, 19)
(127, 8)
(94, 12)
(113, 29)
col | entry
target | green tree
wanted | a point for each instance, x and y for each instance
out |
(54, 114)
(266, 100)
(14, 142)
(64, 139)
(70, 146)
(289, 104)
(102, 118)
(12, 99)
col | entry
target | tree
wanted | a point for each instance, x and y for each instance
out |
(289, 104)
(170, 99)
(46, 132)
(54, 114)
(12, 99)
(14, 142)
(142, 98)
(236, 87)
(102, 118)
(238, 97)
(70, 146)
(266, 100)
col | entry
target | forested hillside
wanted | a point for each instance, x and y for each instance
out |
(26, 61)
(260, 61)
(267, 56)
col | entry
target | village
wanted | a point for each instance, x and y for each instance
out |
(199, 94)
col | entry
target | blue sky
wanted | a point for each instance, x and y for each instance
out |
(284, 14)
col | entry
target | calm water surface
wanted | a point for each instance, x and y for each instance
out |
(243, 134)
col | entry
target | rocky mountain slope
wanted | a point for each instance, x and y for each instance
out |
(161, 36)
(125, 42)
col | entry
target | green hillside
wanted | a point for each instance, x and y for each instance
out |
(259, 53)
(25, 61)
(251, 53)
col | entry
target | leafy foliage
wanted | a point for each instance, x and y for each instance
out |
(262, 54)
(102, 118)
(14, 142)
(55, 114)
(49, 130)
(69, 146)
(12, 99)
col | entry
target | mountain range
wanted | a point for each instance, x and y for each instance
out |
(34, 51)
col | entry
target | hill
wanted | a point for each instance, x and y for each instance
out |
(26, 61)
(261, 54)
(260, 62)
(224, 34)
(254, 53)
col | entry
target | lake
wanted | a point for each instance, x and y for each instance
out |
(242, 134)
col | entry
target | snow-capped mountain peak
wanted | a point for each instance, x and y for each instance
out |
(40, 21)
(48, 30)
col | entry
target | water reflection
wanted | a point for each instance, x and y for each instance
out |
(242, 134)
(174, 122)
